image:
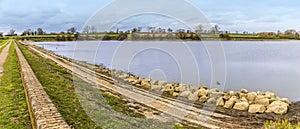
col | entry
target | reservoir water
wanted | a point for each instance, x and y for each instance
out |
(253, 65)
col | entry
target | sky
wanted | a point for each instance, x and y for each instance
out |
(231, 15)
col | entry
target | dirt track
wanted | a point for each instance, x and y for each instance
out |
(3, 55)
(221, 118)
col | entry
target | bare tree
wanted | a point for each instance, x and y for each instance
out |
(72, 30)
(217, 28)
(93, 30)
(199, 29)
(86, 29)
(40, 31)
(12, 32)
(170, 30)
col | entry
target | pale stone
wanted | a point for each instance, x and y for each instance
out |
(156, 88)
(256, 108)
(263, 101)
(226, 96)
(278, 107)
(202, 92)
(185, 94)
(212, 100)
(244, 91)
(220, 102)
(175, 94)
(230, 102)
(232, 93)
(285, 100)
(270, 95)
(202, 99)
(243, 99)
(146, 83)
(180, 88)
(203, 86)
(241, 95)
(251, 97)
(193, 97)
(161, 83)
(243, 106)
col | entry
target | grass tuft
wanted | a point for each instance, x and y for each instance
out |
(281, 124)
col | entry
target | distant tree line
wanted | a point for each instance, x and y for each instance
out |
(151, 33)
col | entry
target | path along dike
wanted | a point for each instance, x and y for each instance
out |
(3, 55)
(43, 112)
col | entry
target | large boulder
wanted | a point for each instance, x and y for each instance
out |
(244, 91)
(226, 96)
(146, 83)
(202, 99)
(241, 95)
(229, 104)
(243, 106)
(185, 94)
(251, 97)
(243, 99)
(262, 100)
(270, 95)
(233, 93)
(169, 89)
(202, 92)
(278, 107)
(285, 100)
(257, 108)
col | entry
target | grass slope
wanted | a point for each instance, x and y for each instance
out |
(13, 108)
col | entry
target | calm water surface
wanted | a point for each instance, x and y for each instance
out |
(254, 65)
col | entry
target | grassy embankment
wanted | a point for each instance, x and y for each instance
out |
(59, 85)
(13, 108)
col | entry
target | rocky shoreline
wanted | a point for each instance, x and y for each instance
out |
(243, 100)
(183, 92)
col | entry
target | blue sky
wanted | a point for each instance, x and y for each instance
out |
(232, 15)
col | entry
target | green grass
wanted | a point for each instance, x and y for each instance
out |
(13, 108)
(3, 42)
(281, 124)
(71, 96)
(243, 35)
(58, 84)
